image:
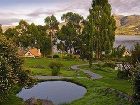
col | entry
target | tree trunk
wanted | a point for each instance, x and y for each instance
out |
(52, 45)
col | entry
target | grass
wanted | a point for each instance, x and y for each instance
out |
(39, 66)
(110, 79)
(95, 95)
(12, 99)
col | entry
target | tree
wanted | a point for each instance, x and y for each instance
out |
(34, 36)
(10, 33)
(67, 34)
(52, 27)
(11, 71)
(135, 61)
(1, 31)
(102, 27)
(44, 41)
(22, 34)
(71, 31)
(71, 17)
(87, 42)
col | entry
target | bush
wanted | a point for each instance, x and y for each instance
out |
(123, 74)
(55, 67)
(97, 66)
(49, 56)
(11, 70)
(38, 66)
(55, 56)
(109, 64)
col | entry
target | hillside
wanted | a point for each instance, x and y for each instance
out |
(127, 25)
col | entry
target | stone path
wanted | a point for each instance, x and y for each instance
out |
(74, 67)
(52, 77)
(88, 72)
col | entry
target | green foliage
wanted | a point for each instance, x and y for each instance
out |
(67, 34)
(109, 64)
(51, 23)
(101, 28)
(52, 27)
(123, 74)
(135, 57)
(70, 33)
(135, 61)
(1, 31)
(11, 71)
(55, 66)
(56, 56)
(118, 52)
(71, 17)
(136, 79)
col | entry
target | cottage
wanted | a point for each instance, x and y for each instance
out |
(126, 53)
(31, 52)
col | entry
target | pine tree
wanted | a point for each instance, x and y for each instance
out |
(102, 28)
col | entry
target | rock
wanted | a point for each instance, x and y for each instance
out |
(33, 101)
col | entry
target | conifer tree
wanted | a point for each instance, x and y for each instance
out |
(102, 28)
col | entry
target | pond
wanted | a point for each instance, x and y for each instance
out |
(59, 92)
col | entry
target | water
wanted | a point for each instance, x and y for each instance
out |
(126, 40)
(58, 92)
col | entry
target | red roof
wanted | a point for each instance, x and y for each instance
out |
(35, 52)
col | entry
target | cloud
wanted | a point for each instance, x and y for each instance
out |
(37, 10)
(125, 7)
(9, 21)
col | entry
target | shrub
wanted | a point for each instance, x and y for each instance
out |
(55, 56)
(49, 56)
(38, 66)
(123, 74)
(109, 64)
(11, 70)
(136, 87)
(55, 67)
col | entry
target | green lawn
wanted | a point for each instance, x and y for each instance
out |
(110, 79)
(96, 95)
(95, 88)
(39, 66)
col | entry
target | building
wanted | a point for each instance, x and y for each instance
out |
(31, 53)
(126, 53)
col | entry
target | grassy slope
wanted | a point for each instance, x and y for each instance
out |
(96, 95)
(110, 80)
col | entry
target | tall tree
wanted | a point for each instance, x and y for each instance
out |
(44, 41)
(102, 27)
(52, 27)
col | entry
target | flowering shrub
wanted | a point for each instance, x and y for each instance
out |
(11, 71)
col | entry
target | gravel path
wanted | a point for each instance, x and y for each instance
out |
(88, 72)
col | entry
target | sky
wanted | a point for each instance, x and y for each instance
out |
(12, 11)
